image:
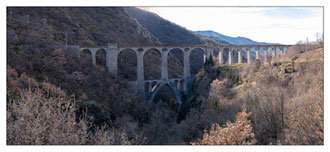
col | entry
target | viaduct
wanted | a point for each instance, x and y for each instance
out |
(148, 89)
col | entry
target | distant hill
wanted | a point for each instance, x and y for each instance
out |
(166, 31)
(217, 39)
(232, 40)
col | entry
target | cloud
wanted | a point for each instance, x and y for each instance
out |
(293, 12)
(286, 25)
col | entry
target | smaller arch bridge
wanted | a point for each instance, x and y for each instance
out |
(155, 85)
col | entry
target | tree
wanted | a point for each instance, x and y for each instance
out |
(236, 133)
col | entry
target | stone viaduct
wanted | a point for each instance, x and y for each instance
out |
(148, 89)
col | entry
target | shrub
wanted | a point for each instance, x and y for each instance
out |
(236, 133)
(305, 111)
(40, 117)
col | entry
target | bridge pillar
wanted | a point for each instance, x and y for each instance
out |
(93, 51)
(239, 50)
(208, 51)
(257, 53)
(140, 74)
(230, 57)
(248, 50)
(266, 54)
(186, 63)
(220, 57)
(273, 52)
(111, 58)
(211, 49)
(164, 65)
(186, 70)
(282, 51)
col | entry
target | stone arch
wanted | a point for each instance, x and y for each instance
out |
(196, 59)
(277, 51)
(127, 64)
(253, 51)
(216, 52)
(285, 49)
(235, 55)
(176, 92)
(262, 53)
(151, 49)
(101, 58)
(175, 63)
(86, 55)
(225, 55)
(152, 64)
(269, 53)
(244, 54)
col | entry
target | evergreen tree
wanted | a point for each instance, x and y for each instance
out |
(211, 61)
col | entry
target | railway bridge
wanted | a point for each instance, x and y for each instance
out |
(148, 89)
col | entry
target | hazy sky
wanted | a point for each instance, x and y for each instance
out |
(286, 25)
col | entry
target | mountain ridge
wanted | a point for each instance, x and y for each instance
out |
(232, 40)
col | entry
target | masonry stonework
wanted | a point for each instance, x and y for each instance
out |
(180, 86)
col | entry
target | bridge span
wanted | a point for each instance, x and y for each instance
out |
(148, 89)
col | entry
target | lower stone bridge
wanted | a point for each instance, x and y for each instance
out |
(148, 89)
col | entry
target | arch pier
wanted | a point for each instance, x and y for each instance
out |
(148, 89)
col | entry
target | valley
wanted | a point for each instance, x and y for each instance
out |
(123, 75)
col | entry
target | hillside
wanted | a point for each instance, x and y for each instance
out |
(232, 40)
(35, 61)
(284, 98)
(84, 26)
(32, 50)
(55, 97)
(166, 31)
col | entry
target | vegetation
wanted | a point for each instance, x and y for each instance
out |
(44, 114)
(284, 99)
(237, 133)
(56, 97)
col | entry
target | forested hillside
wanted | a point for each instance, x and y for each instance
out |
(35, 60)
(284, 100)
(33, 37)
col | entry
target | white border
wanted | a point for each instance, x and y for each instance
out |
(158, 3)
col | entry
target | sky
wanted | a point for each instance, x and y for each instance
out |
(285, 25)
